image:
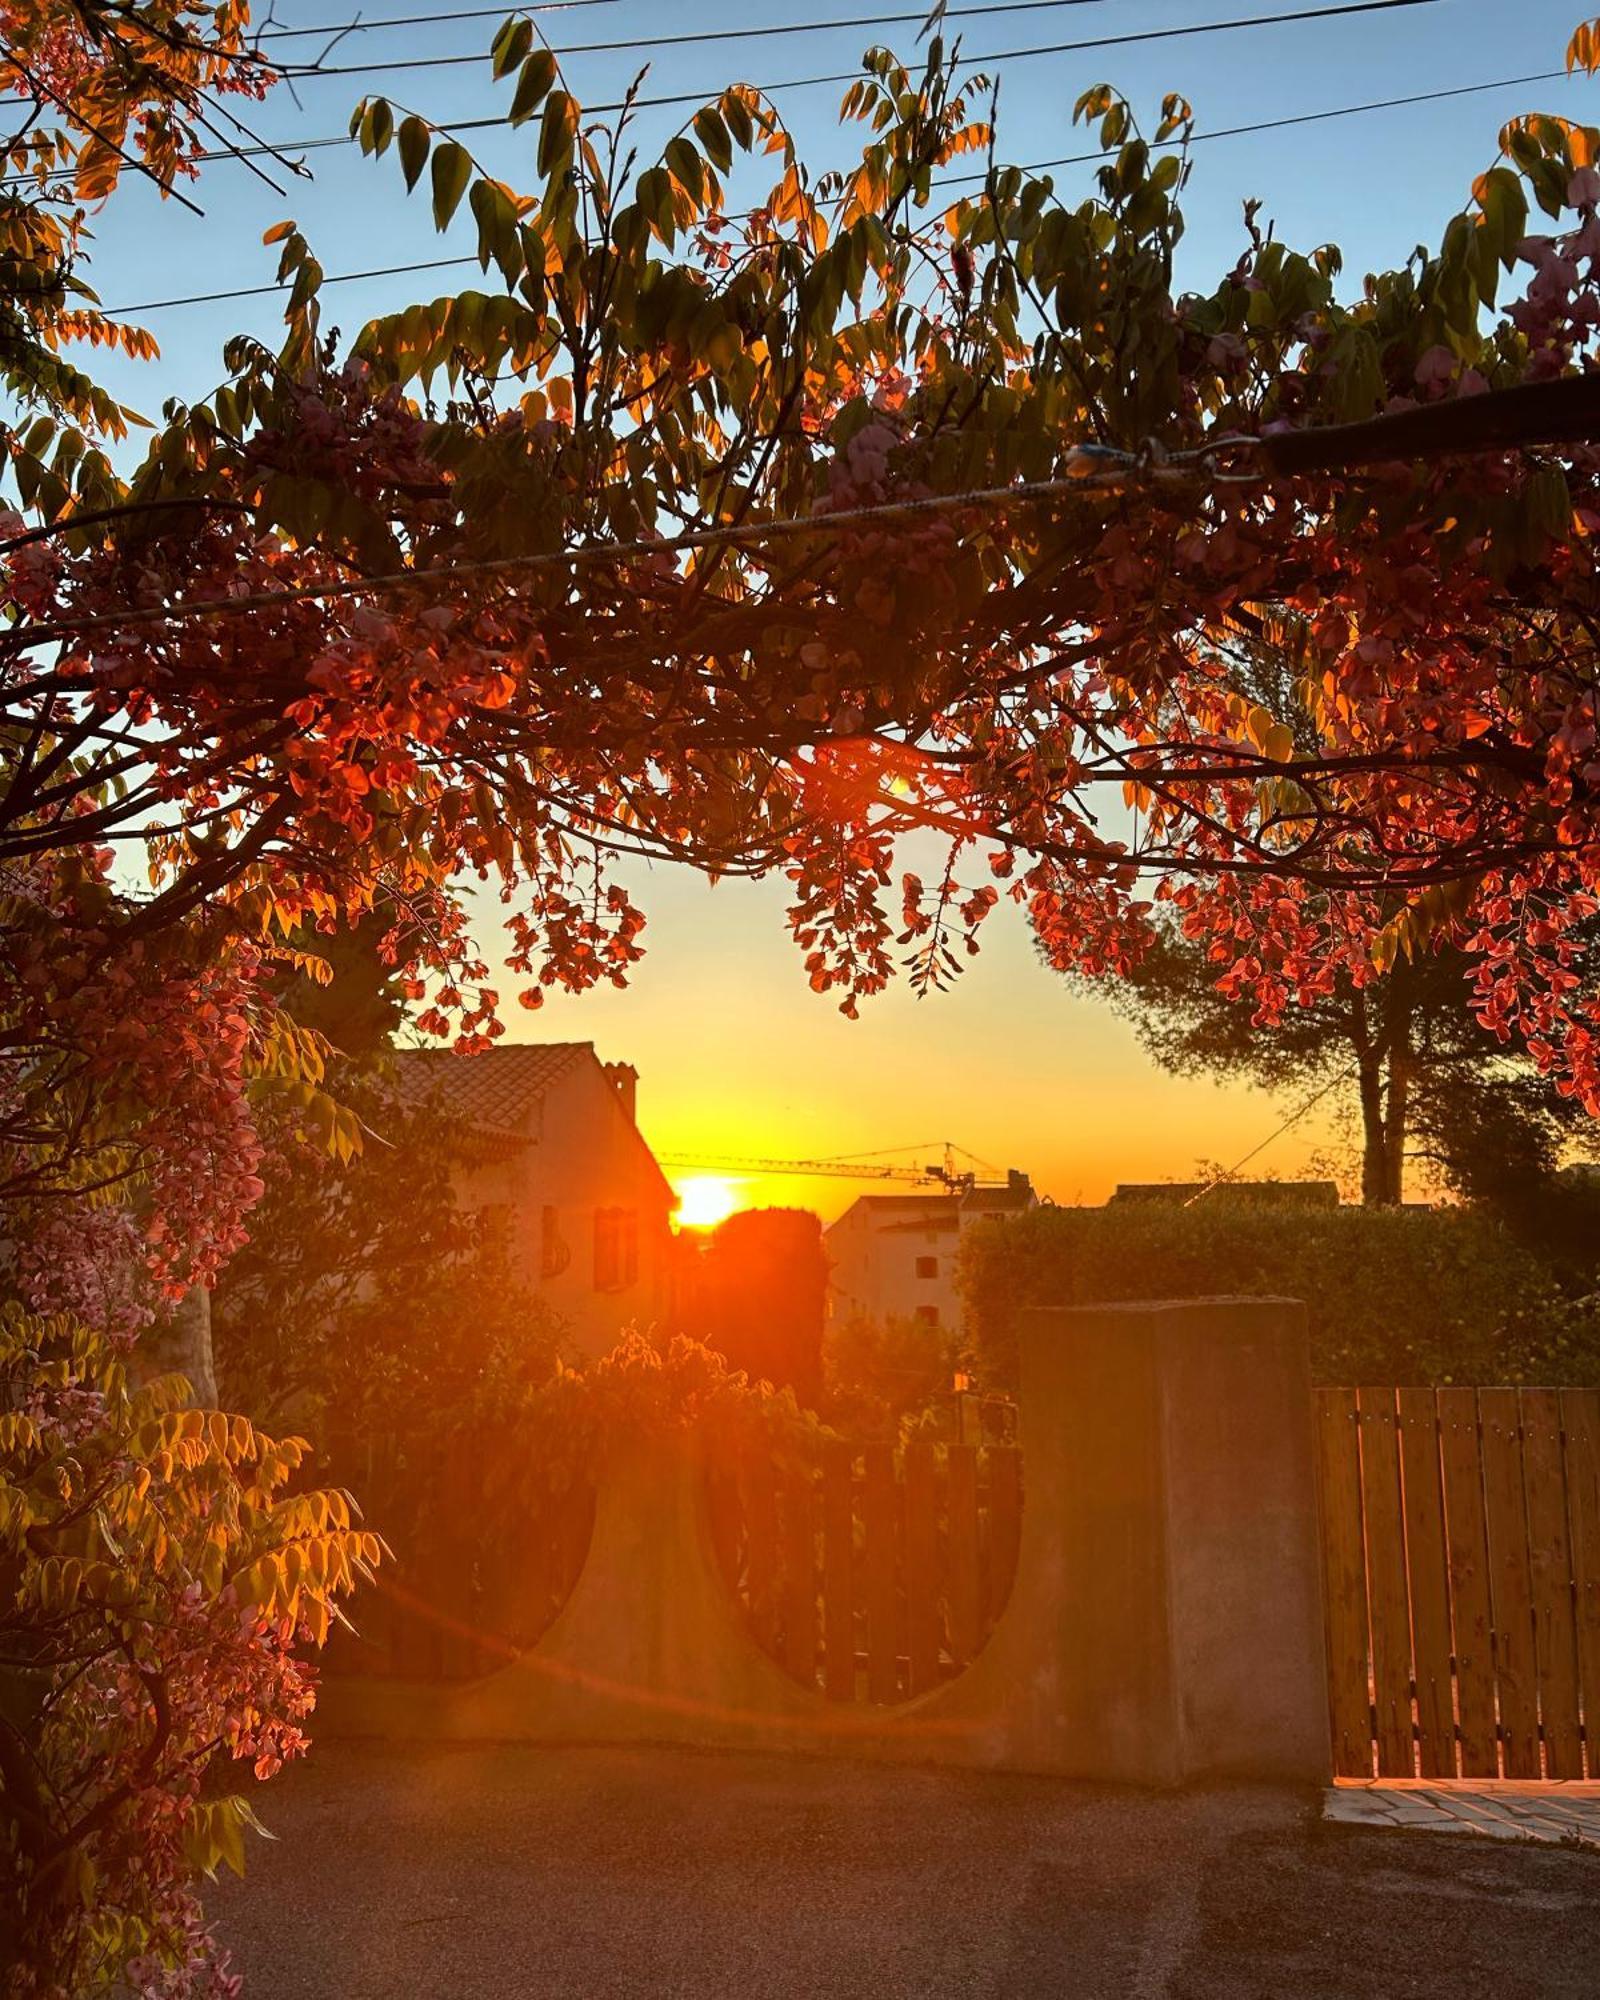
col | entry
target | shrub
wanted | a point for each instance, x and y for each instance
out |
(163, 1569)
(879, 1372)
(1392, 1295)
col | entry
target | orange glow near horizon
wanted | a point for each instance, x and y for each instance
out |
(704, 1200)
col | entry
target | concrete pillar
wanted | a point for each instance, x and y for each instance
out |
(1187, 1583)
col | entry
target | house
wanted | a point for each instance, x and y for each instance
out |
(553, 1144)
(893, 1256)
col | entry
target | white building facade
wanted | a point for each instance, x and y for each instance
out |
(893, 1256)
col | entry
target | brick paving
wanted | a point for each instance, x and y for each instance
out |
(1564, 1815)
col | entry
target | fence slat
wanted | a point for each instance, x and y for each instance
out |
(1580, 1419)
(838, 1572)
(1345, 1582)
(1386, 1581)
(1430, 1595)
(1005, 1527)
(1510, 1585)
(922, 1564)
(1550, 1575)
(799, 1575)
(880, 1498)
(965, 1582)
(1466, 1537)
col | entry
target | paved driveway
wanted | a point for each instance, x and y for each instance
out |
(460, 1874)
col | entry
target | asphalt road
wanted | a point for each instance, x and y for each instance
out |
(460, 1874)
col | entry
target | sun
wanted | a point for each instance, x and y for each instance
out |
(704, 1200)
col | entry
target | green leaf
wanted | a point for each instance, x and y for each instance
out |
(684, 164)
(452, 169)
(736, 115)
(714, 138)
(415, 139)
(533, 86)
(554, 133)
(511, 43)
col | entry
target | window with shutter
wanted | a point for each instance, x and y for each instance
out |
(554, 1253)
(616, 1249)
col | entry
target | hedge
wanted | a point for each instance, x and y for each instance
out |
(1393, 1295)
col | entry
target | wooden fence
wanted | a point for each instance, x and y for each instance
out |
(484, 1553)
(1461, 1549)
(872, 1574)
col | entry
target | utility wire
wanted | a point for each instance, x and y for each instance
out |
(279, 148)
(274, 34)
(1104, 469)
(1563, 410)
(267, 291)
(1281, 124)
(946, 180)
(1294, 1118)
(1140, 35)
(914, 19)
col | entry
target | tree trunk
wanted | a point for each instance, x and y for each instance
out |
(180, 1343)
(1397, 1107)
(1375, 1166)
(1396, 1119)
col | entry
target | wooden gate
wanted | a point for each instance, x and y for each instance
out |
(872, 1574)
(1461, 1551)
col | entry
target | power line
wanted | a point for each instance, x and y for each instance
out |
(428, 20)
(1294, 1118)
(1102, 469)
(1281, 124)
(267, 291)
(1141, 35)
(1564, 410)
(947, 180)
(281, 148)
(914, 19)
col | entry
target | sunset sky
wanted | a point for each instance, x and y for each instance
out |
(736, 1055)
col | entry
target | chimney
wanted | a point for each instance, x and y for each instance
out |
(624, 1080)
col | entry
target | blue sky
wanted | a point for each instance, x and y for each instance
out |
(735, 1051)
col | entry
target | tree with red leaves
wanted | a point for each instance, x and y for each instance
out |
(754, 541)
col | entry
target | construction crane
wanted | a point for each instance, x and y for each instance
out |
(938, 1173)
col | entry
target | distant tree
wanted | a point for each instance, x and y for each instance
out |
(1429, 1082)
(755, 1289)
(1396, 1031)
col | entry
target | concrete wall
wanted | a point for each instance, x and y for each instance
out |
(1165, 1625)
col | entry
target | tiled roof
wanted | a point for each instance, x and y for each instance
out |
(887, 1203)
(999, 1198)
(493, 1090)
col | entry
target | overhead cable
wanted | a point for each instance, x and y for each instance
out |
(806, 27)
(1133, 36)
(1562, 410)
(943, 181)
(452, 127)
